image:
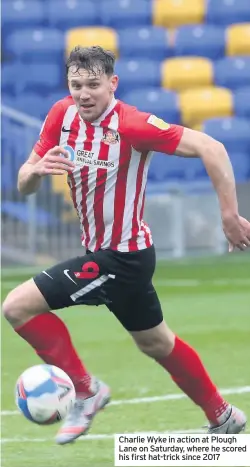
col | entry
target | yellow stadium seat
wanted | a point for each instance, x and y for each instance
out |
(60, 186)
(238, 39)
(174, 13)
(199, 104)
(87, 37)
(186, 72)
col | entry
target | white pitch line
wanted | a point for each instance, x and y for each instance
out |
(98, 436)
(143, 400)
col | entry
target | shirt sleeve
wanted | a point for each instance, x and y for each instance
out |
(50, 131)
(153, 134)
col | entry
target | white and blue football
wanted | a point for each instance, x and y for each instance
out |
(44, 394)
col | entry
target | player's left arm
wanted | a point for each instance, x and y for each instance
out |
(218, 166)
(147, 132)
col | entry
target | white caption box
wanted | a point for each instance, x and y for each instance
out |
(192, 450)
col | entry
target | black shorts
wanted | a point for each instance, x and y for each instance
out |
(121, 281)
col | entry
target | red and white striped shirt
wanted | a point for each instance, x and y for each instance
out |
(111, 157)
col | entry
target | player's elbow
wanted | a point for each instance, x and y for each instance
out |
(210, 147)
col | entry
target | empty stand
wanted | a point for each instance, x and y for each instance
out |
(232, 72)
(227, 11)
(65, 14)
(242, 102)
(161, 102)
(121, 14)
(199, 104)
(36, 45)
(137, 74)
(233, 132)
(238, 39)
(203, 40)
(87, 37)
(137, 42)
(172, 13)
(186, 72)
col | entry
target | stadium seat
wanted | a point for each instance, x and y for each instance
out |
(121, 14)
(9, 73)
(241, 166)
(160, 102)
(60, 186)
(65, 14)
(238, 39)
(172, 13)
(136, 43)
(86, 37)
(233, 132)
(164, 168)
(32, 103)
(232, 72)
(42, 44)
(186, 72)
(227, 11)
(20, 211)
(242, 102)
(199, 104)
(137, 74)
(22, 14)
(202, 40)
(40, 77)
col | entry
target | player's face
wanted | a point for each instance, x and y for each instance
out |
(92, 92)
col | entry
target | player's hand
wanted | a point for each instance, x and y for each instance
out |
(55, 162)
(237, 231)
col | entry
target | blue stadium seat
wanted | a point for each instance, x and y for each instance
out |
(160, 102)
(9, 73)
(242, 102)
(232, 72)
(20, 211)
(42, 44)
(136, 43)
(66, 14)
(241, 166)
(126, 13)
(165, 168)
(32, 104)
(22, 14)
(233, 132)
(202, 40)
(227, 11)
(42, 77)
(136, 74)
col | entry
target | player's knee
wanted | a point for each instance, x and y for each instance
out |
(157, 349)
(11, 309)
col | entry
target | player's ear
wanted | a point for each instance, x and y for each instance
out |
(114, 83)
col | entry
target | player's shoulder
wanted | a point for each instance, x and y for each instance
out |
(130, 117)
(61, 106)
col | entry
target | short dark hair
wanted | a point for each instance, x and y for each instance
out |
(94, 59)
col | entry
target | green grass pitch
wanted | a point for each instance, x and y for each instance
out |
(206, 302)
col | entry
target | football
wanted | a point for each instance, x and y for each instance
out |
(44, 394)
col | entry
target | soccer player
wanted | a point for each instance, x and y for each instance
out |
(105, 146)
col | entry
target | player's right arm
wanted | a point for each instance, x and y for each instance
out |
(47, 157)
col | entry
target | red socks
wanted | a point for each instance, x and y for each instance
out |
(188, 372)
(50, 338)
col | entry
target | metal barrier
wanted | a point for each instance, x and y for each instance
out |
(43, 228)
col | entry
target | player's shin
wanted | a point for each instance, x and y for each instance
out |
(189, 373)
(50, 338)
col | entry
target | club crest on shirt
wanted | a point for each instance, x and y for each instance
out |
(111, 137)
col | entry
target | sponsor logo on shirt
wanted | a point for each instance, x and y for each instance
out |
(111, 137)
(82, 157)
(158, 122)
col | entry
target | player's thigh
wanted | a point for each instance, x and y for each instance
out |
(137, 308)
(76, 281)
